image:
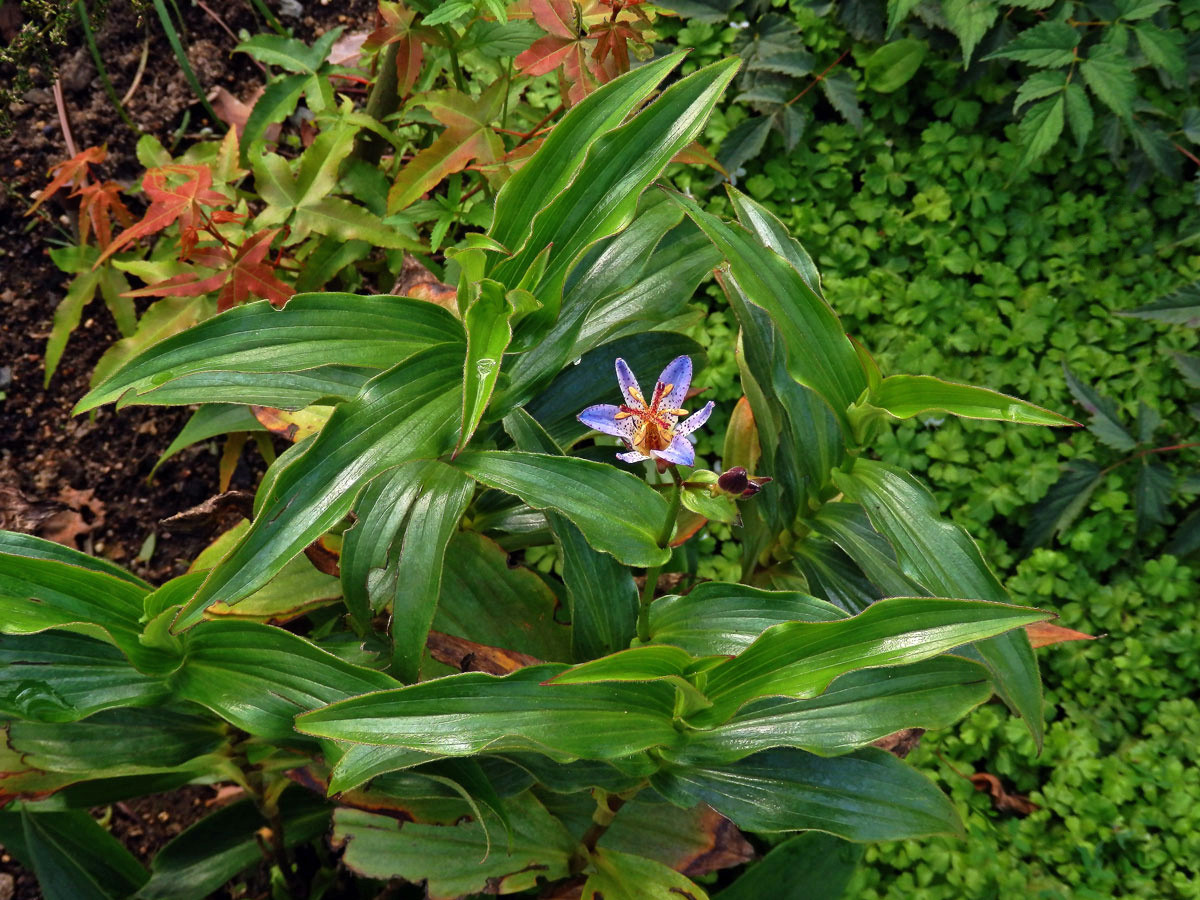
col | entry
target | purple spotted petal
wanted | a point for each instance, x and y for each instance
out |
(632, 456)
(678, 374)
(626, 380)
(603, 418)
(680, 452)
(695, 420)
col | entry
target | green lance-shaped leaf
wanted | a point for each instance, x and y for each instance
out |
(57, 676)
(561, 154)
(608, 279)
(368, 557)
(893, 65)
(856, 709)
(473, 713)
(763, 223)
(487, 601)
(118, 742)
(800, 659)
(408, 412)
(603, 196)
(46, 585)
(74, 858)
(258, 677)
(942, 558)
(868, 795)
(455, 860)
(649, 662)
(1040, 128)
(209, 853)
(432, 521)
(906, 396)
(624, 876)
(819, 355)
(828, 864)
(488, 321)
(617, 512)
(600, 591)
(847, 525)
(367, 332)
(833, 576)
(719, 618)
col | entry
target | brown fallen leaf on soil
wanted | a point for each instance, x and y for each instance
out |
(19, 513)
(67, 526)
(1043, 634)
(234, 112)
(469, 656)
(1002, 800)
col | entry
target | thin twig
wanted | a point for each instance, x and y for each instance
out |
(833, 65)
(229, 31)
(61, 105)
(141, 70)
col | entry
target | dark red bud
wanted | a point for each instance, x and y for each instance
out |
(734, 481)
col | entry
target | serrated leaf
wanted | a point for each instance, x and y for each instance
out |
(1062, 504)
(1152, 494)
(1048, 45)
(969, 21)
(1133, 10)
(1111, 79)
(1079, 113)
(897, 12)
(1180, 307)
(1037, 86)
(744, 142)
(1164, 49)
(841, 91)
(1040, 128)
(1105, 421)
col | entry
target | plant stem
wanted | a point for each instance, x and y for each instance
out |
(664, 541)
(459, 81)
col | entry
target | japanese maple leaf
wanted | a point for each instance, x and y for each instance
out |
(239, 275)
(182, 203)
(73, 171)
(467, 138)
(394, 25)
(566, 44)
(99, 203)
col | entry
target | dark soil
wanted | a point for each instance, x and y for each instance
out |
(84, 480)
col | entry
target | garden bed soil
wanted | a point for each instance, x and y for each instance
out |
(79, 479)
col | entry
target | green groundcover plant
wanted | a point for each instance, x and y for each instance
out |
(603, 734)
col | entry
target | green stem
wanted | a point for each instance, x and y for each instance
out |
(664, 541)
(454, 67)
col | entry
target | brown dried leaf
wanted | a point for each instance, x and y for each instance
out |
(900, 743)
(468, 656)
(19, 513)
(1002, 800)
(295, 425)
(1043, 634)
(222, 511)
(728, 847)
(418, 282)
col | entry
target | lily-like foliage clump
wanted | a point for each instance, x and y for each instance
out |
(602, 734)
(652, 430)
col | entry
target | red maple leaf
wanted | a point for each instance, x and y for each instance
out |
(99, 203)
(182, 203)
(394, 25)
(239, 274)
(73, 171)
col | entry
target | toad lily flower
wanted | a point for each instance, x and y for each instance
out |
(649, 429)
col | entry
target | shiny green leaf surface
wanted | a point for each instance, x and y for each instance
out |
(906, 396)
(626, 523)
(868, 795)
(372, 332)
(408, 412)
(462, 715)
(624, 876)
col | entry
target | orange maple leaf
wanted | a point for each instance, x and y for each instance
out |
(73, 171)
(182, 203)
(394, 25)
(239, 275)
(99, 203)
